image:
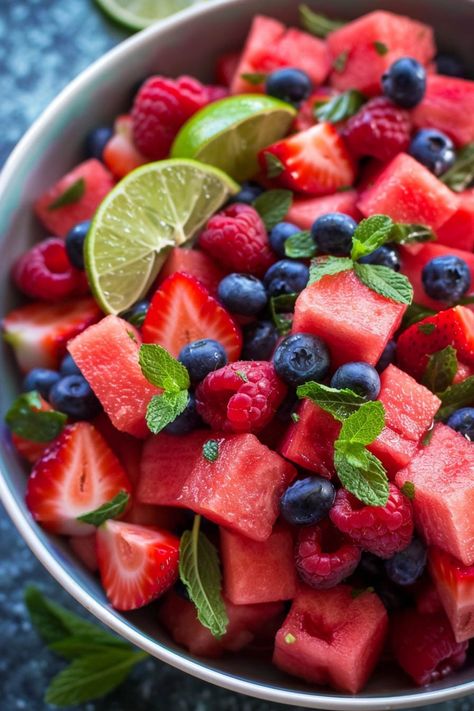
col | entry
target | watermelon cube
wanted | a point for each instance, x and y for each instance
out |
(107, 355)
(258, 571)
(120, 154)
(304, 211)
(393, 450)
(240, 490)
(96, 181)
(443, 476)
(407, 192)
(331, 637)
(85, 548)
(195, 263)
(360, 42)
(445, 98)
(455, 586)
(354, 321)
(458, 231)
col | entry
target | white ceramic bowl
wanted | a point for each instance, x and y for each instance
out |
(188, 43)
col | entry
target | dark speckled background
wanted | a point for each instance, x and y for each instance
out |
(43, 45)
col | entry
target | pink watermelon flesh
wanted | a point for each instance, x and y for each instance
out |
(240, 490)
(97, 183)
(443, 475)
(107, 356)
(407, 192)
(330, 637)
(304, 211)
(448, 105)
(402, 36)
(84, 547)
(354, 321)
(455, 586)
(255, 571)
(393, 450)
(458, 231)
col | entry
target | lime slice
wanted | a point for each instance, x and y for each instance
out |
(154, 208)
(138, 14)
(229, 133)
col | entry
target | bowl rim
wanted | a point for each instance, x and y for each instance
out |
(27, 527)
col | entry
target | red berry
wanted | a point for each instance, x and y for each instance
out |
(160, 109)
(45, 272)
(215, 92)
(379, 129)
(236, 237)
(240, 397)
(324, 556)
(382, 530)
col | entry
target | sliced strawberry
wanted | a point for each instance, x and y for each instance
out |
(85, 548)
(121, 156)
(137, 563)
(315, 162)
(39, 332)
(195, 263)
(182, 310)
(76, 474)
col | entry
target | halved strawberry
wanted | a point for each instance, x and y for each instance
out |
(195, 263)
(76, 474)
(455, 586)
(29, 450)
(182, 310)
(121, 156)
(137, 563)
(315, 161)
(39, 332)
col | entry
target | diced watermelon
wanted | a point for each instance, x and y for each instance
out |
(240, 490)
(354, 321)
(107, 355)
(393, 450)
(443, 476)
(407, 192)
(120, 155)
(360, 40)
(226, 66)
(332, 637)
(256, 571)
(85, 548)
(448, 105)
(455, 586)
(195, 263)
(458, 231)
(270, 45)
(97, 183)
(304, 211)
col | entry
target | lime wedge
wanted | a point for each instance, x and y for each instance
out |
(154, 208)
(229, 133)
(138, 14)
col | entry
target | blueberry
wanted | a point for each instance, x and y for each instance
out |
(279, 234)
(248, 192)
(463, 422)
(242, 294)
(202, 357)
(385, 256)
(40, 379)
(307, 501)
(68, 366)
(289, 84)
(188, 421)
(286, 277)
(96, 140)
(446, 278)
(393, 597)
(259, 340)
(74, 396)
(406, 566)
(137, 314)
(387, 357)
(333, 233)
(75, 243)
(433, 149)
(360, 377)
(450, 65)
(405, 82)
(301, 357)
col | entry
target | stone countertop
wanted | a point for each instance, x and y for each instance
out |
(43, 45)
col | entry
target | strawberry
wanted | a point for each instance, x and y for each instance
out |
(182, 311)
(137, 563)
(39, 332)
(29, 450)
(315, 161)
(121, 156)
(76, 474)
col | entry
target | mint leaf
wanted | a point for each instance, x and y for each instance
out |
(200, 572)
(408, 488)
(163, 409)
(411, 234)
(290, 638)
(301, 245)
(327, 266)
(317, 25)
(370, 234)
(414, 314)
(367, 480)
(339, 64)
(339, 403)
(26, 419)
(254, 78)
(427, 437)
(295, 417)
(210, 450)
(78, 645)
(242, 375)
(380, 48)
(273, 165)
(272, 206)
(441, 369)
(386, 282)
(161, 369)
(461, 175)
(340, 107)
(456, 396)
(362, 426)
(111, 509)
(71, 195)
(281, 308)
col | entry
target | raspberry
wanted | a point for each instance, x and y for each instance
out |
(240, 397)
(382, 530)
(324, 556)
(379, 129)
(215, 92)
(45, 272)
(236, 237)
(160, 109)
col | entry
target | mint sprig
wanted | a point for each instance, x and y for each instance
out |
(301, 245)
(415, 313)
(254, 78)
(339, 403)
(362, 427)
(71, 195)
(456, 396)
(161, 369)
(385, 281)
(461, 175)
(273, 205)
(273, 165)
(328, 266)
(281, 309)
(111, 509)
(210, 450)
(370, 234)
(381, 48)
(340, 107)
(317, 24)
(26, 419)
(440, 371)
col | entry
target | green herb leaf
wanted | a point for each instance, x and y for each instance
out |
(200, 572)
(386, 282)
(461, 175)
(254, 78)
(281, 308)
(328, 266)
(370, 234)
(411, 234)
(340, 107)
(427, 328)
(339, 403)
(363, 426)
(71, 195)
(408, 488)
(78, 645)
(295, 417)
(112, 509)
(161, 369)
(300, 245)
(26, 419)
(414, 314)
(210, 450)
(317, 25)
(339, 64)
(380, 48)
(367, 479)
(441, 369)
(357, 592)
(272, 206)
(242, 375)
(427, 437)
(456, 396)
(164, 409)
(273, 165)
(290, 638)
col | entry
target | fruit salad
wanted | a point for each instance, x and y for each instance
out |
(247, 351)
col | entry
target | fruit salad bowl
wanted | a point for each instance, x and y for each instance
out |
(188, 42)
